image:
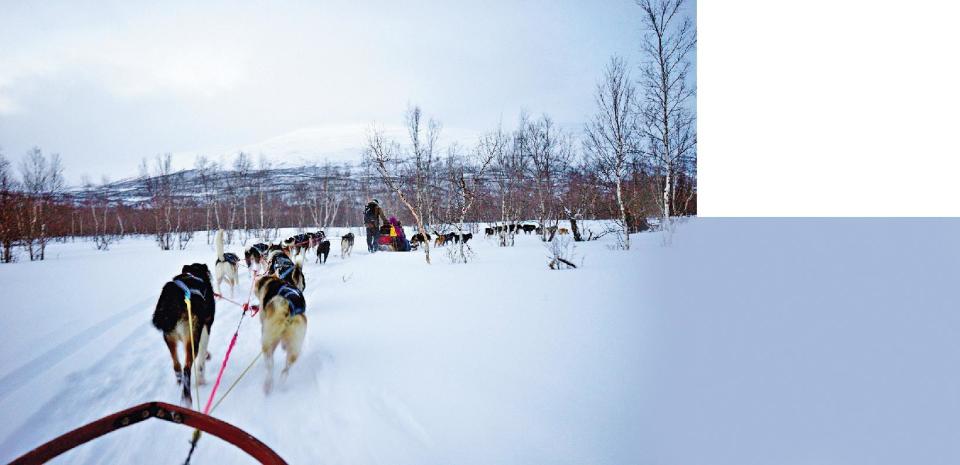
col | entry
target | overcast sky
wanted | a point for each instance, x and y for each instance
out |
(106, 84)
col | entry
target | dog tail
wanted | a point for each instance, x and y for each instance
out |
(220, 245)
(298, 261)
(167, 313)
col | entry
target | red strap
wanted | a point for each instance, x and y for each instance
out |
(223, 366)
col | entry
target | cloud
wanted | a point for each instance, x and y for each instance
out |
(109, 83)
(129, 68)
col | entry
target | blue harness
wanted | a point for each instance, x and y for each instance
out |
(283, 267)
(286, 271)
(188, 291)
(294, 297)
(229, 258)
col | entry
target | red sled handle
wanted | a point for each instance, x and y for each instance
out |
(163, 411)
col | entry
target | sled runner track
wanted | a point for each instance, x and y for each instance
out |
(36, 366)
(120, 357)
(25, 435)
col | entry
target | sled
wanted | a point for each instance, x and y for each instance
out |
(163, 411)
(385, 243)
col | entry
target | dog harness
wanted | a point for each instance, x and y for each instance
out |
(189, 291)
(287, 269)
(229, 258)
(294, 297)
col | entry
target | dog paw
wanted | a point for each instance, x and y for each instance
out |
(267, 386)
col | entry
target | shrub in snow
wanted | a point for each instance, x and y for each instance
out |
(561, 252)
(460, 253)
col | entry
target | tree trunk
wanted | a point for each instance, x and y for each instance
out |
(623, 215)
(575, 230)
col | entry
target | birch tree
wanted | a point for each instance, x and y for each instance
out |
(205, 170)
(465, 174)
(550, 152)
(612, 136)
(387, 157)
(509, 171)
(669, 123)
(99, 214)
(242, 180)
(42, 183)
(160, 188)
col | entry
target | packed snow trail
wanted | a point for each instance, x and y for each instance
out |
(35, 367)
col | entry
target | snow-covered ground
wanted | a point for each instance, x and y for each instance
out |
(744, 342)
(498, 361)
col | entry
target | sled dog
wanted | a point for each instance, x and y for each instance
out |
(254, 257)
(283, 322)
(291, 271)
(323, 251)
(226, 266)
(171, 318)
(346, 245)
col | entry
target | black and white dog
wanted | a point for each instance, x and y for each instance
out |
(173, 320)
(297, 244)
(346, 245)
(287, 269)
(255, 255)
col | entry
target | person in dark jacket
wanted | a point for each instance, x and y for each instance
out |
(372, 216)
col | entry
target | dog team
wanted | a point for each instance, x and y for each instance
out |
(186, 308)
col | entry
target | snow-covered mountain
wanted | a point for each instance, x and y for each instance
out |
(191, 182)
(334, 143)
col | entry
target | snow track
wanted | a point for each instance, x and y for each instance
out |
(35, 367)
